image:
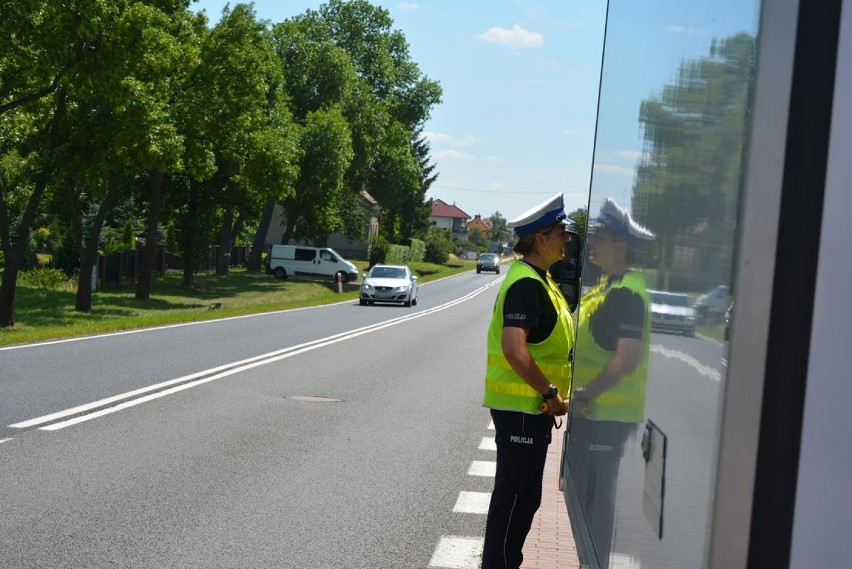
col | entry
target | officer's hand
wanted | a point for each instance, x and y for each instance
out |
(556, 406)
(580, 402)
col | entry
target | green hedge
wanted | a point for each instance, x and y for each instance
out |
(45, 278)
(397, 255)
(416, 251)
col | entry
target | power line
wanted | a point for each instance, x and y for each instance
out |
(523, 192)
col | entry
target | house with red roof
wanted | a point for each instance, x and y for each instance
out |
(484, 225)
(450, 217)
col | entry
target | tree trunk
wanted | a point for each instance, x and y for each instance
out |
(191, 223)
(7, 294)
(223, 256)
(143, 285)
(290, 215)
(89, 249)
(14, 251)
(259, 243)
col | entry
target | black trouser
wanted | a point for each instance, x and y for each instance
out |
(522, 441)
(595, 451)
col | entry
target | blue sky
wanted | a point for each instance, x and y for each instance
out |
(520, 81)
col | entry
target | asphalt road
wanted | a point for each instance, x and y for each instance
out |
(336, 436)
(683, 396)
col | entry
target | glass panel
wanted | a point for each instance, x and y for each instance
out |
(673, 119)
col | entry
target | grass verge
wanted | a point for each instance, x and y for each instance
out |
(48, 313)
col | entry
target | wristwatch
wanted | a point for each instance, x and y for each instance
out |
(552, 392)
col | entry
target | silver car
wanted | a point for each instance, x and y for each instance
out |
(671, 311)
(389, 283)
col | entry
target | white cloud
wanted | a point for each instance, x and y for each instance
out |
(466, 139)
(408, 6)
(627, 154)
(517, 37)
(437, 136)
(674, 29)
(613, 169)
(453, 155)
(497, 186)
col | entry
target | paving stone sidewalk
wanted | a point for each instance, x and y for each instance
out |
(550, 543)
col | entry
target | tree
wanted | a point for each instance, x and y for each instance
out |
(439, 245)
(319, 79)
(395, 182)
(392, 99)
(687, 184)
(26, 171)
(122, 124)
(416, 209)
(478, 238)
(312, 211)
(578, 220)
(167, 48)
(499, 227)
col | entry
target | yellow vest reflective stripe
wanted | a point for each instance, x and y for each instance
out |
(626, 401)
(554, 370)
(504, 388)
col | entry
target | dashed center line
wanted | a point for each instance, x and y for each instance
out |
(465, 552)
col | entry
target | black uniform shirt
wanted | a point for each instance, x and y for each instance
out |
(620, 315)
(528, 305)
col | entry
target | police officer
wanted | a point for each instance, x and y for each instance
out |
(529, 341)
(611, 367)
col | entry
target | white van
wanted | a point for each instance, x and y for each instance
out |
(287, 260)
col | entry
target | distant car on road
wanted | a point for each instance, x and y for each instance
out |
(670, 311)
(389, 283)
(488, 262)
(711, 306)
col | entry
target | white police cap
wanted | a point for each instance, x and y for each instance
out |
(618, 221)
(548, 212)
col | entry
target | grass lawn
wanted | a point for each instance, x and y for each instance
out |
(45, 314)
(717, 331)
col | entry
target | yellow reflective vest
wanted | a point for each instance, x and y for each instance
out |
(504, 388)
(626, 401)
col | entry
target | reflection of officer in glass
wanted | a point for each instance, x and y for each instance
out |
(610, 370)
(529, 342)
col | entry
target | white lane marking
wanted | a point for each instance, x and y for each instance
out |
(4, 440)
(491, 426)
(488, 443)
(702, 369)
(182, 324)
(487, 468)
(472, 503)
(193, 380)
(455, 552)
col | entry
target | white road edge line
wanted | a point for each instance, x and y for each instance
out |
(202, 377)
(702, 369)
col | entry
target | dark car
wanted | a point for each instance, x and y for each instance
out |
(728, 314)
(488, 262)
